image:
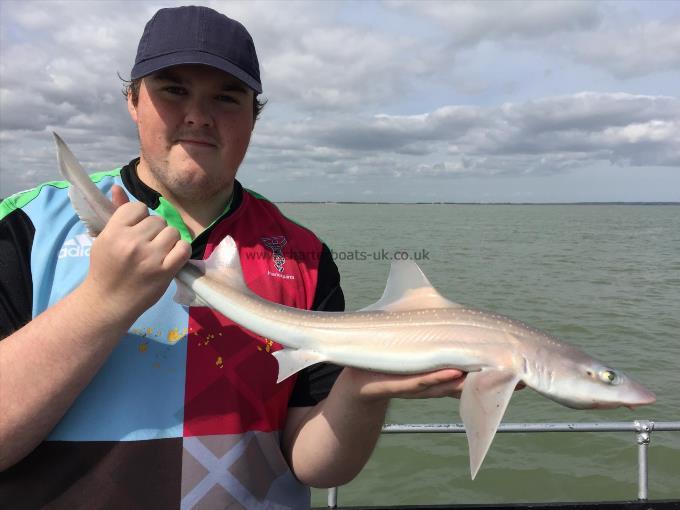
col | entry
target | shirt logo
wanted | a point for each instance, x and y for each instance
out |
(79, 246)
(276, 244)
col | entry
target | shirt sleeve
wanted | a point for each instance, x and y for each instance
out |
(314, 383)
(16, 286)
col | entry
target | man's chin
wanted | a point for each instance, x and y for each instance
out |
(192, 178)
(200, 186)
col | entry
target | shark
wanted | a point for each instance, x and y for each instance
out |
(411, 329)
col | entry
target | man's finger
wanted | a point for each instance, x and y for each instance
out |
(439, 377)
(166, 239)
(130, 214)
(452, 388)
(419, 383)
(152, 226)
(177, 257)
(118, 196)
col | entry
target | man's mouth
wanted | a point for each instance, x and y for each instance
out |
(196, 142)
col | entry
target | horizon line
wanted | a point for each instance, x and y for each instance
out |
(476, 203)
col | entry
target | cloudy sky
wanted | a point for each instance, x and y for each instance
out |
(381, 101)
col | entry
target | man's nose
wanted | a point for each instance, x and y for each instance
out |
(198, 113)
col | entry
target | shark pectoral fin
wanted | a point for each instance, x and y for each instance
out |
(292, 361)
(485, 397)
(408, 288)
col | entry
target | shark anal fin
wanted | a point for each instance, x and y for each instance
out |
(292, 361)
(482, 405)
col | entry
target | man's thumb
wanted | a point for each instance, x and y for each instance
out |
(118, 196)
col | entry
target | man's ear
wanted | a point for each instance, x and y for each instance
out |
(132, 109)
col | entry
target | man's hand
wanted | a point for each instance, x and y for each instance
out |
(367, 385)
(134, 259)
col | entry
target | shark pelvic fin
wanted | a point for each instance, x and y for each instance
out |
(408, 288)
(482, 405)
(292, 361)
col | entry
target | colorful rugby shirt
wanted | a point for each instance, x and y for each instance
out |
(186, 412)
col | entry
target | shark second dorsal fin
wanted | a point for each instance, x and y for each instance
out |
(408, 288)
(223, 266)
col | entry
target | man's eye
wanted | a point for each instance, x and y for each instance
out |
(227, 99)
(176, 90)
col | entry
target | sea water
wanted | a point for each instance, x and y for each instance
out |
(603, 277)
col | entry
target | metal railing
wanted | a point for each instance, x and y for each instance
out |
(642, 428)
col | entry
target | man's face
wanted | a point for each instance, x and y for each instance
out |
(194, 126)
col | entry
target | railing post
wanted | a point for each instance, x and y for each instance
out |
(333, 497)
(643, 436)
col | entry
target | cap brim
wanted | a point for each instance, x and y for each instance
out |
(152, 65)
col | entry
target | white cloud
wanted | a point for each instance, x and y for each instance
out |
(469, 23)
(630, 51)
(544, 136)
(614, 36)
(438, 94)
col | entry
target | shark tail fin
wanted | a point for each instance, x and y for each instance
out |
(92, 207)
(408, 288)
(223, 267)
(85, 212)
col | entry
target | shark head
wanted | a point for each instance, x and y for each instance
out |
(589, 384)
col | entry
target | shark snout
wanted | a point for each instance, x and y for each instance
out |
(644, 397)
(638, 395)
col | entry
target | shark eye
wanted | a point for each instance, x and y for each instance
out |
(609, 376)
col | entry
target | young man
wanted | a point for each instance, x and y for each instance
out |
(112, 395)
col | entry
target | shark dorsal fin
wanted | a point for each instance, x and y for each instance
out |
(408, 288)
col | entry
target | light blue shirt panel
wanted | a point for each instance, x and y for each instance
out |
(55, 224)
(139, 391)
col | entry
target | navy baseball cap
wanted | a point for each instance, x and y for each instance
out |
(197, 35)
